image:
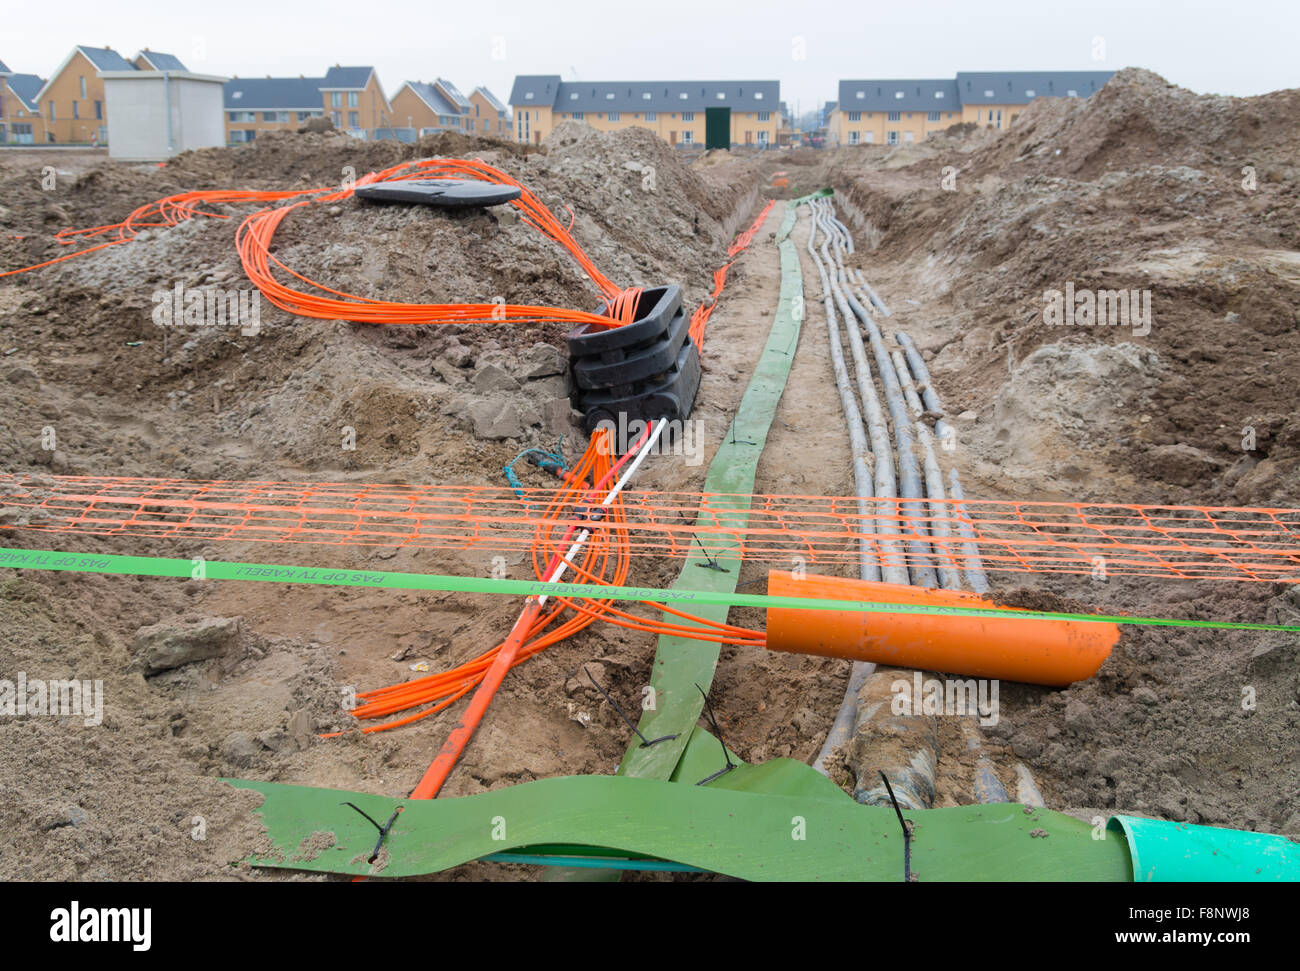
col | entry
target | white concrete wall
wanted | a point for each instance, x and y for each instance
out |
(136, 114)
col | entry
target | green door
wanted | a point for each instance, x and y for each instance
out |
(717, 128)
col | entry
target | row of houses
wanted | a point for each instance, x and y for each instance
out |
(732, 113)
(354, 101)
(71, 106)
(892, 111)
(683, 113)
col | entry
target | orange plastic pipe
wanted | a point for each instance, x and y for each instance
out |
(1047, 652)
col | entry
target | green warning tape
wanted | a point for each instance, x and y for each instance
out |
(196, 569)
(764, 831)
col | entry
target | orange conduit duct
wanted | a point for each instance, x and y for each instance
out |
(1259, 544)
(1048, 652)
(254, 236)
(606, 548)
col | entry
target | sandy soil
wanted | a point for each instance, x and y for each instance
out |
(1148, 194)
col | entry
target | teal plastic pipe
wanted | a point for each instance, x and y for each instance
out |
(1165, 852)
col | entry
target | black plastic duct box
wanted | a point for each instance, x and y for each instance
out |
(646, 370)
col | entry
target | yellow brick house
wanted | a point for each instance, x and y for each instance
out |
(676, 111)
(898, 111)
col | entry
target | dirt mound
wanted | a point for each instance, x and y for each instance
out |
(1139, 119)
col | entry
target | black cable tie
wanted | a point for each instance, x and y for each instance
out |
(645, 743)
(713, 722)
(712, 564)
(908, 876)
(383, 830)
(740, 441)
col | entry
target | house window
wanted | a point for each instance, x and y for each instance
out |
(652, 116)
(99, 110)
(893, 138)
(855, 116)
(1029, 93)
(895, 115)
(688, 137)
(613, 116)
(764, 115)
(762, 139)
(1072, 93)
(573, 95)
(853, 138)
(988, 93)
(336, 99)
(336, 118)
(51, 111)
(645, 95)
(688, 115)
(577, 116)
(758, 95)
(83, 88)
(268, 116)
(76, 109)
(354, 119)
(934, 116)
(861, 95)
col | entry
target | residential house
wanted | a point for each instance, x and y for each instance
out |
(674, 110)
(423, 108)
(20, 120)
(491, 117)
(893, 111)
(355, 100)
(351, 97)
(72, 100)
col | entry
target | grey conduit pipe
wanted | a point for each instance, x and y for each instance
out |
(974, 567)
(909, 740)
(893, 566)
(926, 385)
(949, 574)
(873, 299)
(868, 567)
(909, 470)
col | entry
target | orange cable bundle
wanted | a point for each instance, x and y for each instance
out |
(606, 552)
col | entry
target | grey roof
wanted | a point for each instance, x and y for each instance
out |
(1021, 87)
(265, 94)
(492, 99)
(656, 95)
(26, 87)
(4, 69)
(106, 59)
(899, 95)
(434, 98)
(346, 77)
(534, 89)
(163, 62)
(452, 94)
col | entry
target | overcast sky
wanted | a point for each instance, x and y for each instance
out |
(1241, 47)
